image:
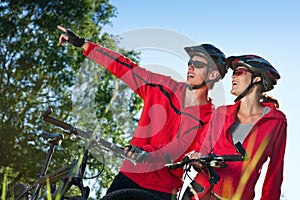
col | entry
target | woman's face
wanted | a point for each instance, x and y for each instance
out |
(241, 79)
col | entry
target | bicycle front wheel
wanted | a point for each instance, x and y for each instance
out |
(130, 194)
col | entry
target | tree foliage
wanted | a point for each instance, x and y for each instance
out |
(36, 73)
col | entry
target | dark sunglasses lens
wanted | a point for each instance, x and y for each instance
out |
(197, 64)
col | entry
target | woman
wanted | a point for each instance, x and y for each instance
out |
(256, 123)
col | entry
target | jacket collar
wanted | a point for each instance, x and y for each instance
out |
(231, 110)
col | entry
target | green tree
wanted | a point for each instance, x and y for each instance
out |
(36, 73)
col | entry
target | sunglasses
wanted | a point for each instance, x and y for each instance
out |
(197, 64)
(239, 71)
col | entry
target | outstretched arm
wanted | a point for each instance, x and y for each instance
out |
(136, 77)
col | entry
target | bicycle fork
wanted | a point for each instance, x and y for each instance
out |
(75, 178)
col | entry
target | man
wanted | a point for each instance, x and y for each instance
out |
(173, 116)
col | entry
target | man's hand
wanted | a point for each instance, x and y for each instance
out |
(136, 153)
(69, 36)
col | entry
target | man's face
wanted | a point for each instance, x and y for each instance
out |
(197, 70)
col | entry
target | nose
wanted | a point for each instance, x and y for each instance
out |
(233, 78)
(191, 67)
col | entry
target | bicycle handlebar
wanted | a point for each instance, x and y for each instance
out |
(213, 160)
(84, 134)
(45, 116)
(210, 160)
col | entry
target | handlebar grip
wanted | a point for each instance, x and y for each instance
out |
(59, 123)
(47, 113)
(233, 157)
(45, 116)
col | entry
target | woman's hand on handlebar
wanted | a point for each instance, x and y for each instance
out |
(196, 164)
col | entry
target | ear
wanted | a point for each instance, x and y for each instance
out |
(213, 75)
(257, 79)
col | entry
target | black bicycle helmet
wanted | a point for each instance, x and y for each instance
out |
(215, 57)
(258, 66)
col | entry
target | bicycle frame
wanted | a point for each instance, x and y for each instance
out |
(77, 171)
(54, 140)
(71, 175)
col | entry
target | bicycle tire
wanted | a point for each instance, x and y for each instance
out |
(131, 194)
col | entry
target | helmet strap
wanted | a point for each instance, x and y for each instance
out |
(248, 88)
(195, 87)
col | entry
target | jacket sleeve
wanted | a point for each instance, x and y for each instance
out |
(274, 176)
(196, 139)
(186, 136)
(211, 132)
(137, 78)
(176, 149)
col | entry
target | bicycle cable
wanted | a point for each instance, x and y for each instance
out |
(88, 163)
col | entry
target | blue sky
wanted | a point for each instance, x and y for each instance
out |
(267, 28)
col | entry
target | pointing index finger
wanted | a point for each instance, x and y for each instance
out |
(62, 28)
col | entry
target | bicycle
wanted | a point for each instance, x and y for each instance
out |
(21, 191)
(71, 175)
(209, 162)
(124, 194)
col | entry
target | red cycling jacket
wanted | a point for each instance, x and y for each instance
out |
(267, 139)
(166, 128)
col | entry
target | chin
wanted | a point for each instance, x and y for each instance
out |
(189, 83)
